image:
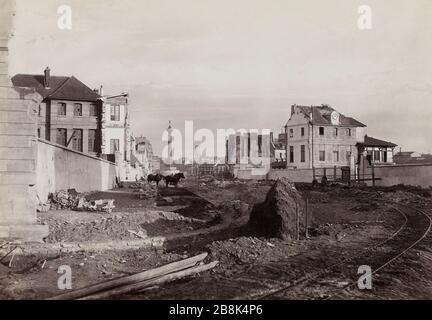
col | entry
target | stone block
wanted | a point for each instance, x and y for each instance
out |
(17, 178)
(18, 128)
(18, 153)
(18, 165)
(15, 116)
(17, 141)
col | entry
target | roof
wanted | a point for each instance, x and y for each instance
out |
(61, 88)
(321, 116)
(373, 142)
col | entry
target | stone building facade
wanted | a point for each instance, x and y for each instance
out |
(18, 138)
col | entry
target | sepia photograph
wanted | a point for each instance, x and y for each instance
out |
(221, 153)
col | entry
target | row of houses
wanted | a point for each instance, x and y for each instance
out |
(313, 137)
(83, 119)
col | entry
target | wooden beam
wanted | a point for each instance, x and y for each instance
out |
(135, 287)
(123, 281)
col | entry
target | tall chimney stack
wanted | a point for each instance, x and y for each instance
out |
(101, 91)
(47, 76)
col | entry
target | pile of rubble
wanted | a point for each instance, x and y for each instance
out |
(71, 200)
(144, 189)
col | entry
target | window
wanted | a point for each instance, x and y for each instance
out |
(302, 132)
(77, 110)
(77, 140)
(349, 132)
(115, 145)
(322, 155)
(93, 110)
(348, 155)
(61, 109)
(92, 147)
(40, 110)
(377, 156)
(38, 132)
(291, 133)
(336, 132)
(336, 156)
(321, 131)
(115, 113)
(61, 136)
(302, 153)
(291, 154)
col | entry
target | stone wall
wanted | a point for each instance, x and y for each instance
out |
(60, 168)
(294, 175)
(414, 175)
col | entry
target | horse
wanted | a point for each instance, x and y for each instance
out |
(154, 177)
(174, 179)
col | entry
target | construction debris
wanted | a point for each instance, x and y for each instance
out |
(70, 199)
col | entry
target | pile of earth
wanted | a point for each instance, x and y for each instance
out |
(281, 215)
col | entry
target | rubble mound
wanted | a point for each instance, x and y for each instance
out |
(277, 215)
(235, 253)
(71, 199)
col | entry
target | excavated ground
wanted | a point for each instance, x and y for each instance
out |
(211, 215)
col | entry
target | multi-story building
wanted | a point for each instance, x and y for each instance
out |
(319, 136)
(69, 113)
(250, 152)
(144, 154)
(115, 127)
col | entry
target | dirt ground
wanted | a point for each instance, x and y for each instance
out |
(207, 215)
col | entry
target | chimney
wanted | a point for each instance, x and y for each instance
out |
(101, 91)
(292, 109)
(47, 77)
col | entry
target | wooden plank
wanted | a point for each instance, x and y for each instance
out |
(152, 282)
(124, 281)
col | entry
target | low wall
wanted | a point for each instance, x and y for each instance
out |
(295, 175)
(247, 174)
(414, 175)
(60, 168)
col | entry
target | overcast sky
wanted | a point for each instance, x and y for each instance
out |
(242, 63)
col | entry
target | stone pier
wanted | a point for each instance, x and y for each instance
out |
(18, 135)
